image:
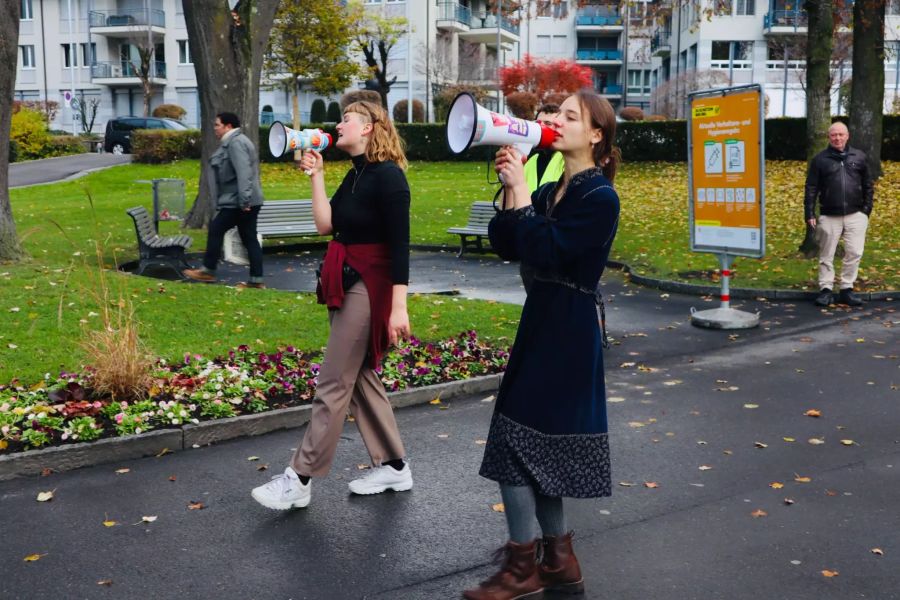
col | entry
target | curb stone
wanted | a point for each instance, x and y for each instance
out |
(74, 456)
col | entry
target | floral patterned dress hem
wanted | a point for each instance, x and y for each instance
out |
(569, 465)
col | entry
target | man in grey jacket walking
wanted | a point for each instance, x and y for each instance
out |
(235, 164)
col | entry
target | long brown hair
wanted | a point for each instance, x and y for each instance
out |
(602, 116)
(384, 142)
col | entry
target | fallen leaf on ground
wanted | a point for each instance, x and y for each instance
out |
(122, 471)
(106, 582)
(789, 439)
(651, 484)
(45, 496)
(481, 442)
(847, 442)
(760, 445)
(800, 479)
(878, 551)
(149, 519)
(759, 513)
(435, 401)
(704, 467)
(776, 485)
(498, 507)
(788, 501)
(615, 399)
(828, 573)
(626, 484)
(813, 413)
(172, 478)
(488, 399)
(252, 458)
(363, 467)
(46, 472)
(194, 505)
(109, 523)
(34, 557)
(816, 441)
(751, 406)
(635, 424)
(443, 436)
(163, 452)
(262, 467)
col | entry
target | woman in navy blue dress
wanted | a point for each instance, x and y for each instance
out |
(548, 436)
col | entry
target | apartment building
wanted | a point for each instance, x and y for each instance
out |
(733, 42)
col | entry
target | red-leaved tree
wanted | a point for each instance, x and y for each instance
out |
(544, 77)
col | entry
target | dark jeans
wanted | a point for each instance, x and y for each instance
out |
(245, 221)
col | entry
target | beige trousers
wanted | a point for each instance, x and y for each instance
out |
(852, 229)
(347, 381)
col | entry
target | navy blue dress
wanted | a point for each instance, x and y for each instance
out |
(549, 426)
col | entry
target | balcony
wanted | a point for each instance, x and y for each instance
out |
(485, 30)
(599, 18)
(125, 74)
(453, 16)
(785, 22)
(612, 56)
(659, 43)
(126, 22)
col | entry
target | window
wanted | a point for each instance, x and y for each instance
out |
(88, 54)
(745, 7)
(547, 9)
(542, 45)
(634, 81)
(70, 55)
(558, 44)
(692, 57)
(25, 12)
(732, 55)
(27, 57)
(184, 53)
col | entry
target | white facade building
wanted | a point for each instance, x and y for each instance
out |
(631, 48)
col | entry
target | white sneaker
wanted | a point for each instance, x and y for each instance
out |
(383, 478)
(284, 492)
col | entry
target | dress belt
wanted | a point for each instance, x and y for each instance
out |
(595, 294)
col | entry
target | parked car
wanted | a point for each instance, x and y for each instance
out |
(118, 131)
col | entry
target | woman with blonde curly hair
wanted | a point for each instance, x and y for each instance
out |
(363, 281)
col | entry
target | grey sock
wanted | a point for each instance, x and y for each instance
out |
(550, 515)
(519, 509)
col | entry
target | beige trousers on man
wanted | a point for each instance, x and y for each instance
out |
(347, 380)
(852, 229)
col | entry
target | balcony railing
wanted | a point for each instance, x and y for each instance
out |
(598, 14)
(125, 70)
(610, 89)
(660, 40)
(454, 11)
(135, 17)
(598, 55)
(490, 22)
(785, 18)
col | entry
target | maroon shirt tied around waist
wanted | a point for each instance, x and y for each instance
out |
(373, 263)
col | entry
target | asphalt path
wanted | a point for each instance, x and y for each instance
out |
(51, 170)
(680, 398)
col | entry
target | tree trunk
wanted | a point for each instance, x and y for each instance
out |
(819, 42)
(227, 47)
(867, 85)
(10, 248)
(295, 106)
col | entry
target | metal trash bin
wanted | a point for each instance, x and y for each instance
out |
(168, 201)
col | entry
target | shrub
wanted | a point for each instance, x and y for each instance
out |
(317, 113)
(656, 118)
(401, 111)
(333, 114)
(13, 151)
(166, 145)
(523, 104)
(169, 111)
(62, 145)
(48, 109)
(444, 98)
(29, 131)
(631, 113)
(358, 96)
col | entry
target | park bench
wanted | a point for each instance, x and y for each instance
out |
(480, 214)
(286, 218)
(154, 249)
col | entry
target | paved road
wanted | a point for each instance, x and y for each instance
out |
(49, 170)
(692, 398)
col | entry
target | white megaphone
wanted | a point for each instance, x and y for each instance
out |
(469, 124)
(283, 139)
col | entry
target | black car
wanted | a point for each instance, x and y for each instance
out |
(118, 131)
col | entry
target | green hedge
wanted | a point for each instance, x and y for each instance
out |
(638, 140)
(13, 151)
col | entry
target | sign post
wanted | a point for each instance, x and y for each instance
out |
(726, 182)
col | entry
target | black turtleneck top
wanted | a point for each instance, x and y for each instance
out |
(371, 206)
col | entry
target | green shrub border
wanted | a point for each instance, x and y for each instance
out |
(639, 141)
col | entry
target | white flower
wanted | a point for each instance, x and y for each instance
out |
(137, 430)
(219, 394)
(4, 407)
(219, 385)
(246, 389)
(170, 414)
(195, 421)
(183, 414)
(206, 395)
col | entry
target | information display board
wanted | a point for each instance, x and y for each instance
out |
(726, 171)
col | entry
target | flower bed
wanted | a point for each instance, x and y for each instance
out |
(64, 410)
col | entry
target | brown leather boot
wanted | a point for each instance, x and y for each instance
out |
(559, 568)
(518, 578)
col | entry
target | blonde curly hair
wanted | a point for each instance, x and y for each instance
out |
(384, 142)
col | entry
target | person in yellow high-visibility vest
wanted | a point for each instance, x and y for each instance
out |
(544, 166)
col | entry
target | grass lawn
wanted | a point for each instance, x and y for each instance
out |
(47, 301)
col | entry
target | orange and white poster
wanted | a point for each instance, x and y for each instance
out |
(726, 166)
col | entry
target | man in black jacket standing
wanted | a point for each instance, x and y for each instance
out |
(839, 179)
